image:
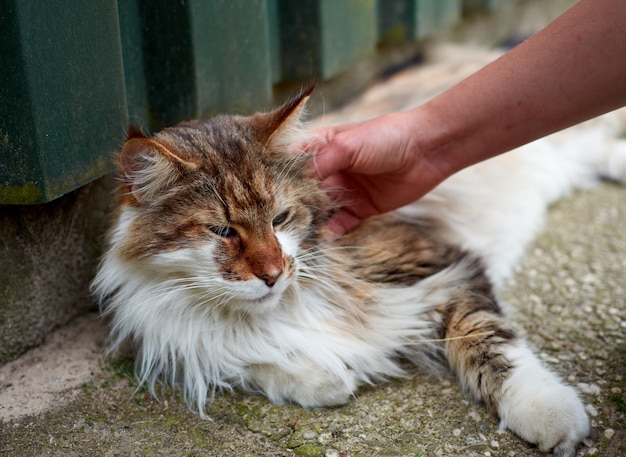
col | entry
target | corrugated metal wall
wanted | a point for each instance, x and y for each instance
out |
(74, 74)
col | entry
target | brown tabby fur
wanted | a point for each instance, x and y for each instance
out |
(214, 211)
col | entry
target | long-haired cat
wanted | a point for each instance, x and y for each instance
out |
(218, 270)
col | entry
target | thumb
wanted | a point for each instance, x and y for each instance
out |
(332, 154)
(341, 222)
(330, 149)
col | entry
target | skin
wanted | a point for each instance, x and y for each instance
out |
(573, 70)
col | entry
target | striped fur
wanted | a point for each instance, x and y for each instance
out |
(218, 270)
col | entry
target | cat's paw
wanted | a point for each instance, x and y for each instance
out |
(539, 408)
(310, 387)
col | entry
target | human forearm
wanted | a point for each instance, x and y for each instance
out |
(573, 70)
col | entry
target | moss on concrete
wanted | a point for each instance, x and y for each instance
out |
(27, 194)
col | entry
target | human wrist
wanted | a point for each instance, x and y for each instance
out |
(438, 143)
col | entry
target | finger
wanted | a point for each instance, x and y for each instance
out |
(329, 132)
(317, 139)
(340, 223)
(312, 140)
(333, 156)
(340, 188)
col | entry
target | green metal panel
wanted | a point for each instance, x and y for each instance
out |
(65, 96)
(131, 34)
(472, 6)
(426, 18)
(407, 20)
(62, 103)
(350, 34)
(448, 12)
(158, 61)
(231, 50)
(396, 20)
(195, 58)
(322, 38)
(274, 33)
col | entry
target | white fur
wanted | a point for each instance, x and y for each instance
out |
(306, 342)
(293, 351)
(497, 207)
(538, 407)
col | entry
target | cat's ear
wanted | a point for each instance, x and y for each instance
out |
(281, 126)
(148, 166)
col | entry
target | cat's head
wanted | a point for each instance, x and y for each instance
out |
(220, 206)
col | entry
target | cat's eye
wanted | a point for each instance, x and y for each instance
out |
(224, 232)
(281, 218)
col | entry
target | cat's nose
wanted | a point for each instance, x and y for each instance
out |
(271, 276)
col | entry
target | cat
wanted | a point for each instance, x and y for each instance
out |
(219, 270)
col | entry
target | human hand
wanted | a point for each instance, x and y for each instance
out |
(371, 167)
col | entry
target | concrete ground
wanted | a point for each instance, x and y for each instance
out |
(569, 297)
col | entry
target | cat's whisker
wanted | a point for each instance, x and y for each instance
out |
(318, 279)
(287, 170)
(218, 195)
(452, 338)
(324, 250)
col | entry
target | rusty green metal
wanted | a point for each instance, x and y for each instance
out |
(62, 103)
